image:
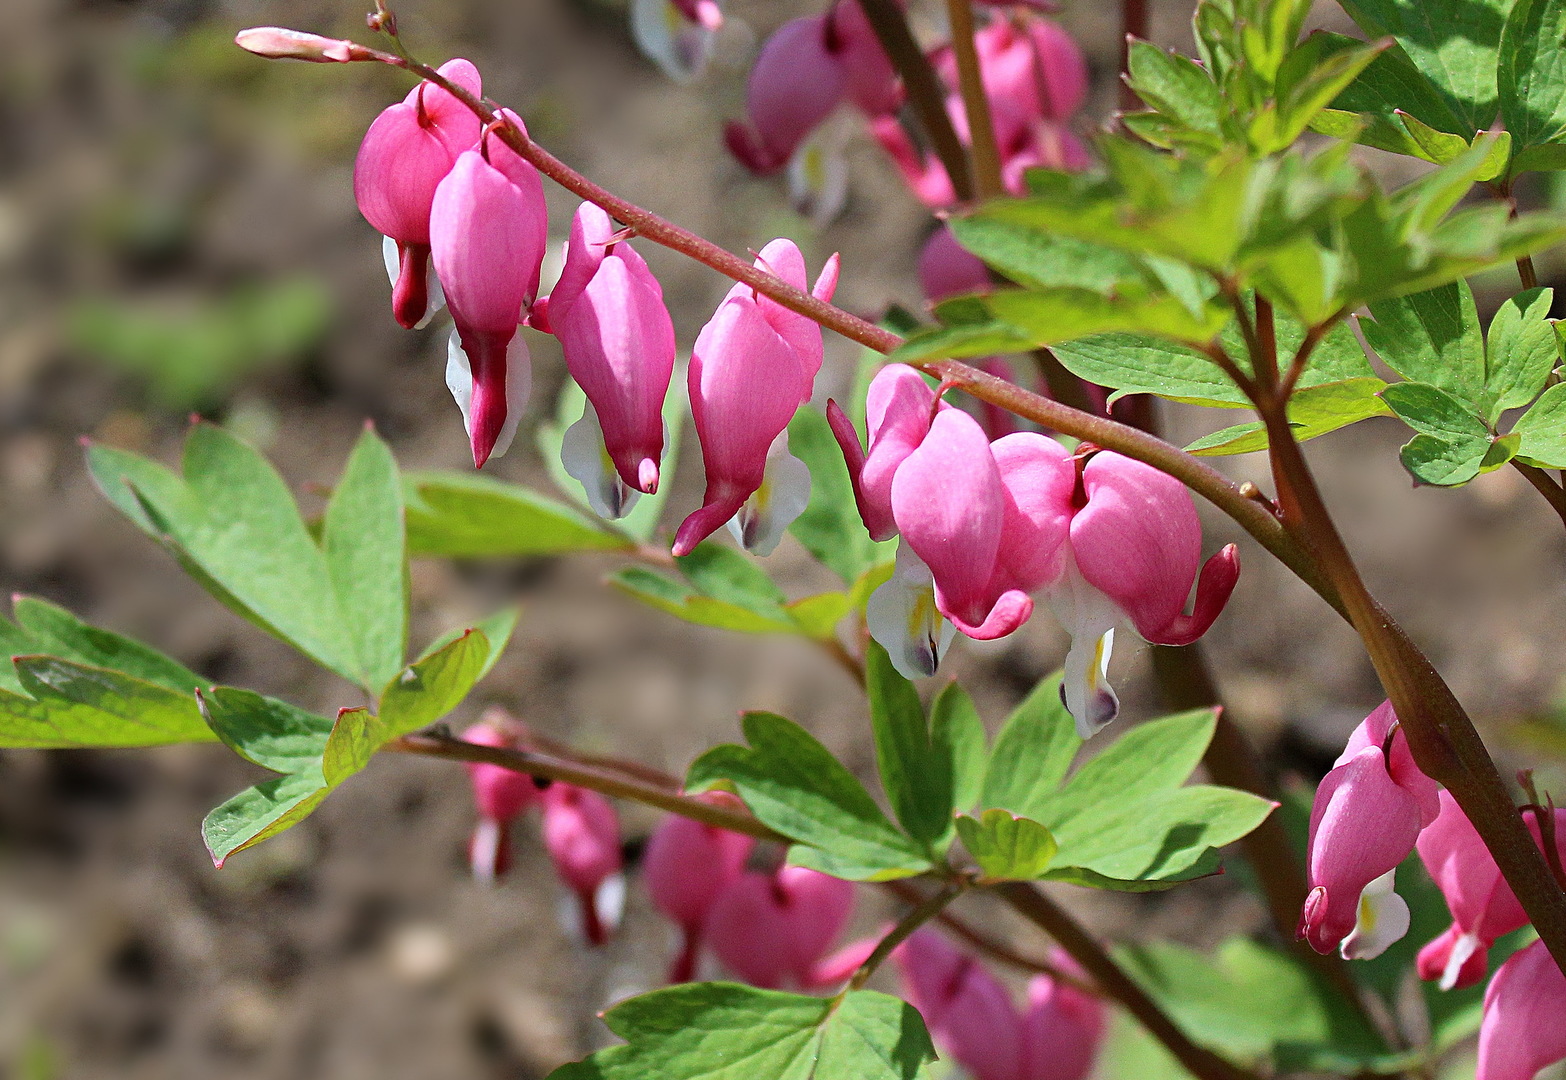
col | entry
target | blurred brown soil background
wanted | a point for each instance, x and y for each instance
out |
(152, 174)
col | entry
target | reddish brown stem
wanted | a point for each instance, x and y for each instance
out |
(976, 103)
(1135, 23)
(1545, 485)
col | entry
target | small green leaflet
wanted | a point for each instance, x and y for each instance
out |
(726, 1031)
(1007, 847)
(364, 539)
(42, 627)
(1313, 412)
(794, 785)
(66, 704)
(1532, 76)
(1452, 445)
(466, 515)
(1542, 430)
(1032, 753)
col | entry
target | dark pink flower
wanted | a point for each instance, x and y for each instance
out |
(582, 835)
(501, 795)
(1522, 1030)
(686, 868)
(772, 930)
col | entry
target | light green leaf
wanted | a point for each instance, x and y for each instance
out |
(1149, 759)
(1313, 412)
(356, 736)
(364, 539)
(1175, 86)
(830, 528)
(725, 1031)
(795, 786)
(1543, 430)
(1431, 337)
(1532, 72)
(269, 732)
(53, 630)
(1039, 259)
(957, 734)
(262, 811)
(1032, 753)
(1452, 442)
(727, 574)
(684, 602)
(1005, 846)
(465, 515)
(1520, 351)
(429, 689)
(66, 704)
(817, 616)
(915, 773)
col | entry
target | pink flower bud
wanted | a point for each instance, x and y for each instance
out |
(1366, 817)
(582, 836)
(796, 83)
(1522, 1031)
(488, 227)
(408, 150)
(686, 867)
(502, 795)
(771, 929)
(618, 341)
(278, 43)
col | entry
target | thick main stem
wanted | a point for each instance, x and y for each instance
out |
(1545, 485)
(1039, 909)
(988, 183)
(924, 89)
(1443, 739)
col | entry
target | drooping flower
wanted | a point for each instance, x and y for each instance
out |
(488, 227)
(618, 341)
(677, 35)
(1135, 549)
(796, 83)
(501, 795)
(686, 867)
(582, 835)
(754, 364)
(1522, 1030)
(1365, 820)
(408, 150)
(772, 930)
(972, 1019)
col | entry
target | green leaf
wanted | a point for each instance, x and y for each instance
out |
(269, 732)
(1520, 351)
(1452, 43)
(53, 630)
(1032, 753)
(916, 774)
(233, 524)
(67, 704)
(1147, 760)
(725, 1031)
(1532, 72)
(727, 574)
(1313, 412)
(1040, 259)
(817, 616)
(1177, 87)
(262, 811)
(957, 734)
(728, 590)
(1165, 837)
(1543, 430)
(795, 786)
(356, 735)
(1452, 441)
(1389, 89)
(830, 528)
(1431, 337)
(1007, 847)
(428, 690)
(466, 515)
(684, 602)
(366, 555)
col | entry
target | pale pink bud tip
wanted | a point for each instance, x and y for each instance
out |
(279, 43)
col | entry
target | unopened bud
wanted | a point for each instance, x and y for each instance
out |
(382, 21)
(279, 43)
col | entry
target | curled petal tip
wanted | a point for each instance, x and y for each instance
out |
(647, 476)
(1010, 612)
(1217, 581)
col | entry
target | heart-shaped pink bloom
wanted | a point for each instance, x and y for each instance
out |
(796, 83)
(582, 835)
(771, 929)
(618, 340)
(409, 149)
(1522, 1031)
(686, 867)
(501, 795)
(873, 85)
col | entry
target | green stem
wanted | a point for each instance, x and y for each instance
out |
(921, 914)
(924, 90)
(1033, 905)
(976, 103)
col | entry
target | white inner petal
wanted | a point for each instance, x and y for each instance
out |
(1382, 919)
(818, 173)
(772, 508)
(1089, 617)
(679, 47)
(519, 384)
(902, 617)
(585, 459)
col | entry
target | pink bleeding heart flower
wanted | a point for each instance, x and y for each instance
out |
(771, 930)
(582, 836)
(1032, 69)
(754, 364)
(408, 151)
(797, 82)
(923, 172)
(488, 228)
(1365, 820)
(502, 795)
(1522, 1031)
(686, 867)
(1136, 546)
(618, 340)
(677, 35)
(973, 1021)
(899, 406)
(873, 85)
